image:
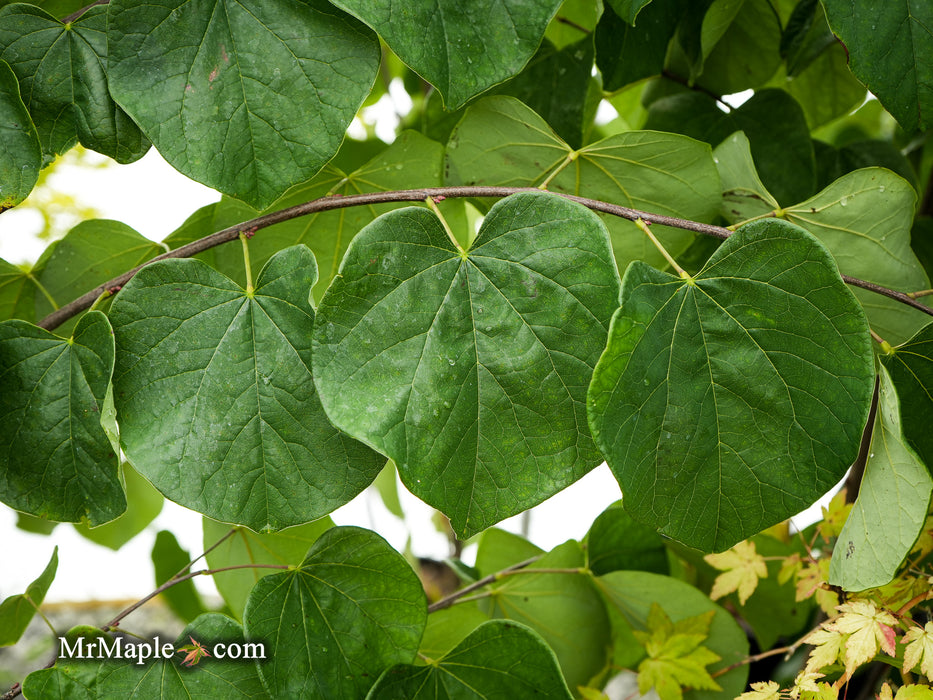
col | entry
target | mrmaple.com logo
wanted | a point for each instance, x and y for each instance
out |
(143, 652)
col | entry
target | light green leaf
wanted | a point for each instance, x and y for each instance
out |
(244, 96)
(55, 459)
(633, 169)
(351, 610)
(216, 402)
(499, 549)
(62, 69)
(582, 15)
(709, 401)
(17, 611)
(911, 369)
(143, 504)
(90, 254)
(743, 194)
(500, 660)
(565, 609)
(387, 486)
(168, 558)
(827, 89)
(411, 161)
(632, 593)
(891, 507)
(287, 547)
(615, 542)
(479, 360)
(21, 157)
(17, 293)
(891, 52)
(462, 49)
(864, 219)
(448, 627)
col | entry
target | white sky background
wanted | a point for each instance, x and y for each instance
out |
(153, 198)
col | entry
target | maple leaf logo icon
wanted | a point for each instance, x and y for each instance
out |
(194, 653)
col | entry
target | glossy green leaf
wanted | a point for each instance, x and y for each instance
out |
(462, 49)
(62, 70)
(891, 508)
(478, 360)
(631, 594)
(891, 52)
(411, 161)
(216, 402)
(500, 660)
(168, 558)
(502, 142)
(55, 459)
(17, 293)
(143, 504)
(773, 122)
(911, 371)
(864, 219)
(351, 610)
(17, 611)
(164, 679)
(626, 53)
(247, 97)
(709, 399)
(615, 542)
(90, 254)
(287, 547)
(21, 157)
(565, 609)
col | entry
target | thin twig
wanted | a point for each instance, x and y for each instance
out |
(485, 581)
(75, 307)
(74, 15)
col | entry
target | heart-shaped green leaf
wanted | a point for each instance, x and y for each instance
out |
(216, 402)
(891, 507)
(55, 458)
(351, 610)
(21, 157)
(470, 369)
(500, 659)
(17, 293)
(62, 71)
(17, 611)
(728, 402)
(246, 96)
(461, 48)
(632, 169)
(911, 368)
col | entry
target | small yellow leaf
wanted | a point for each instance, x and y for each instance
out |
(834, 516)
(762, 690)
(828, 645)
(743, 567)
(919, 649)
(868, 628)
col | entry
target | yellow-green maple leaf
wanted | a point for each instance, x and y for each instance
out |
(919, 649)
(676, 657)
(906, 692)
(828, 646)
(868, 628)
(834, 516)
(742, 567)
(762, 690)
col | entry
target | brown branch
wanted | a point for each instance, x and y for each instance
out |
(74, 15)
(328, 203)
(485, 581)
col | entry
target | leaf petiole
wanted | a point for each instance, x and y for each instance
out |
(432, 205)
(643, 225)
(249, 273)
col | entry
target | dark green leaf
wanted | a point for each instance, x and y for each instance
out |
(502, 142)
(169, 558)
(500, 660)
(216, 402)
(626, 53)
(57, 462)
(17, 611)
(479, 360)
(911, 368)
(351, 610)
(565, 609)
(143, 504)
(411, 161)
(891, 52)
(628, 9)
(62, 70)
(287, 547)
(832, 163)
(709, 400)
(461, 48)
(21, 157)
(773, 122)
(245, 96)
(891, 508)
(631, 594)
(864, 219)
(615, 542)
(75, 681)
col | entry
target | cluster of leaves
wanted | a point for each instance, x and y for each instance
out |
(492, 351)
